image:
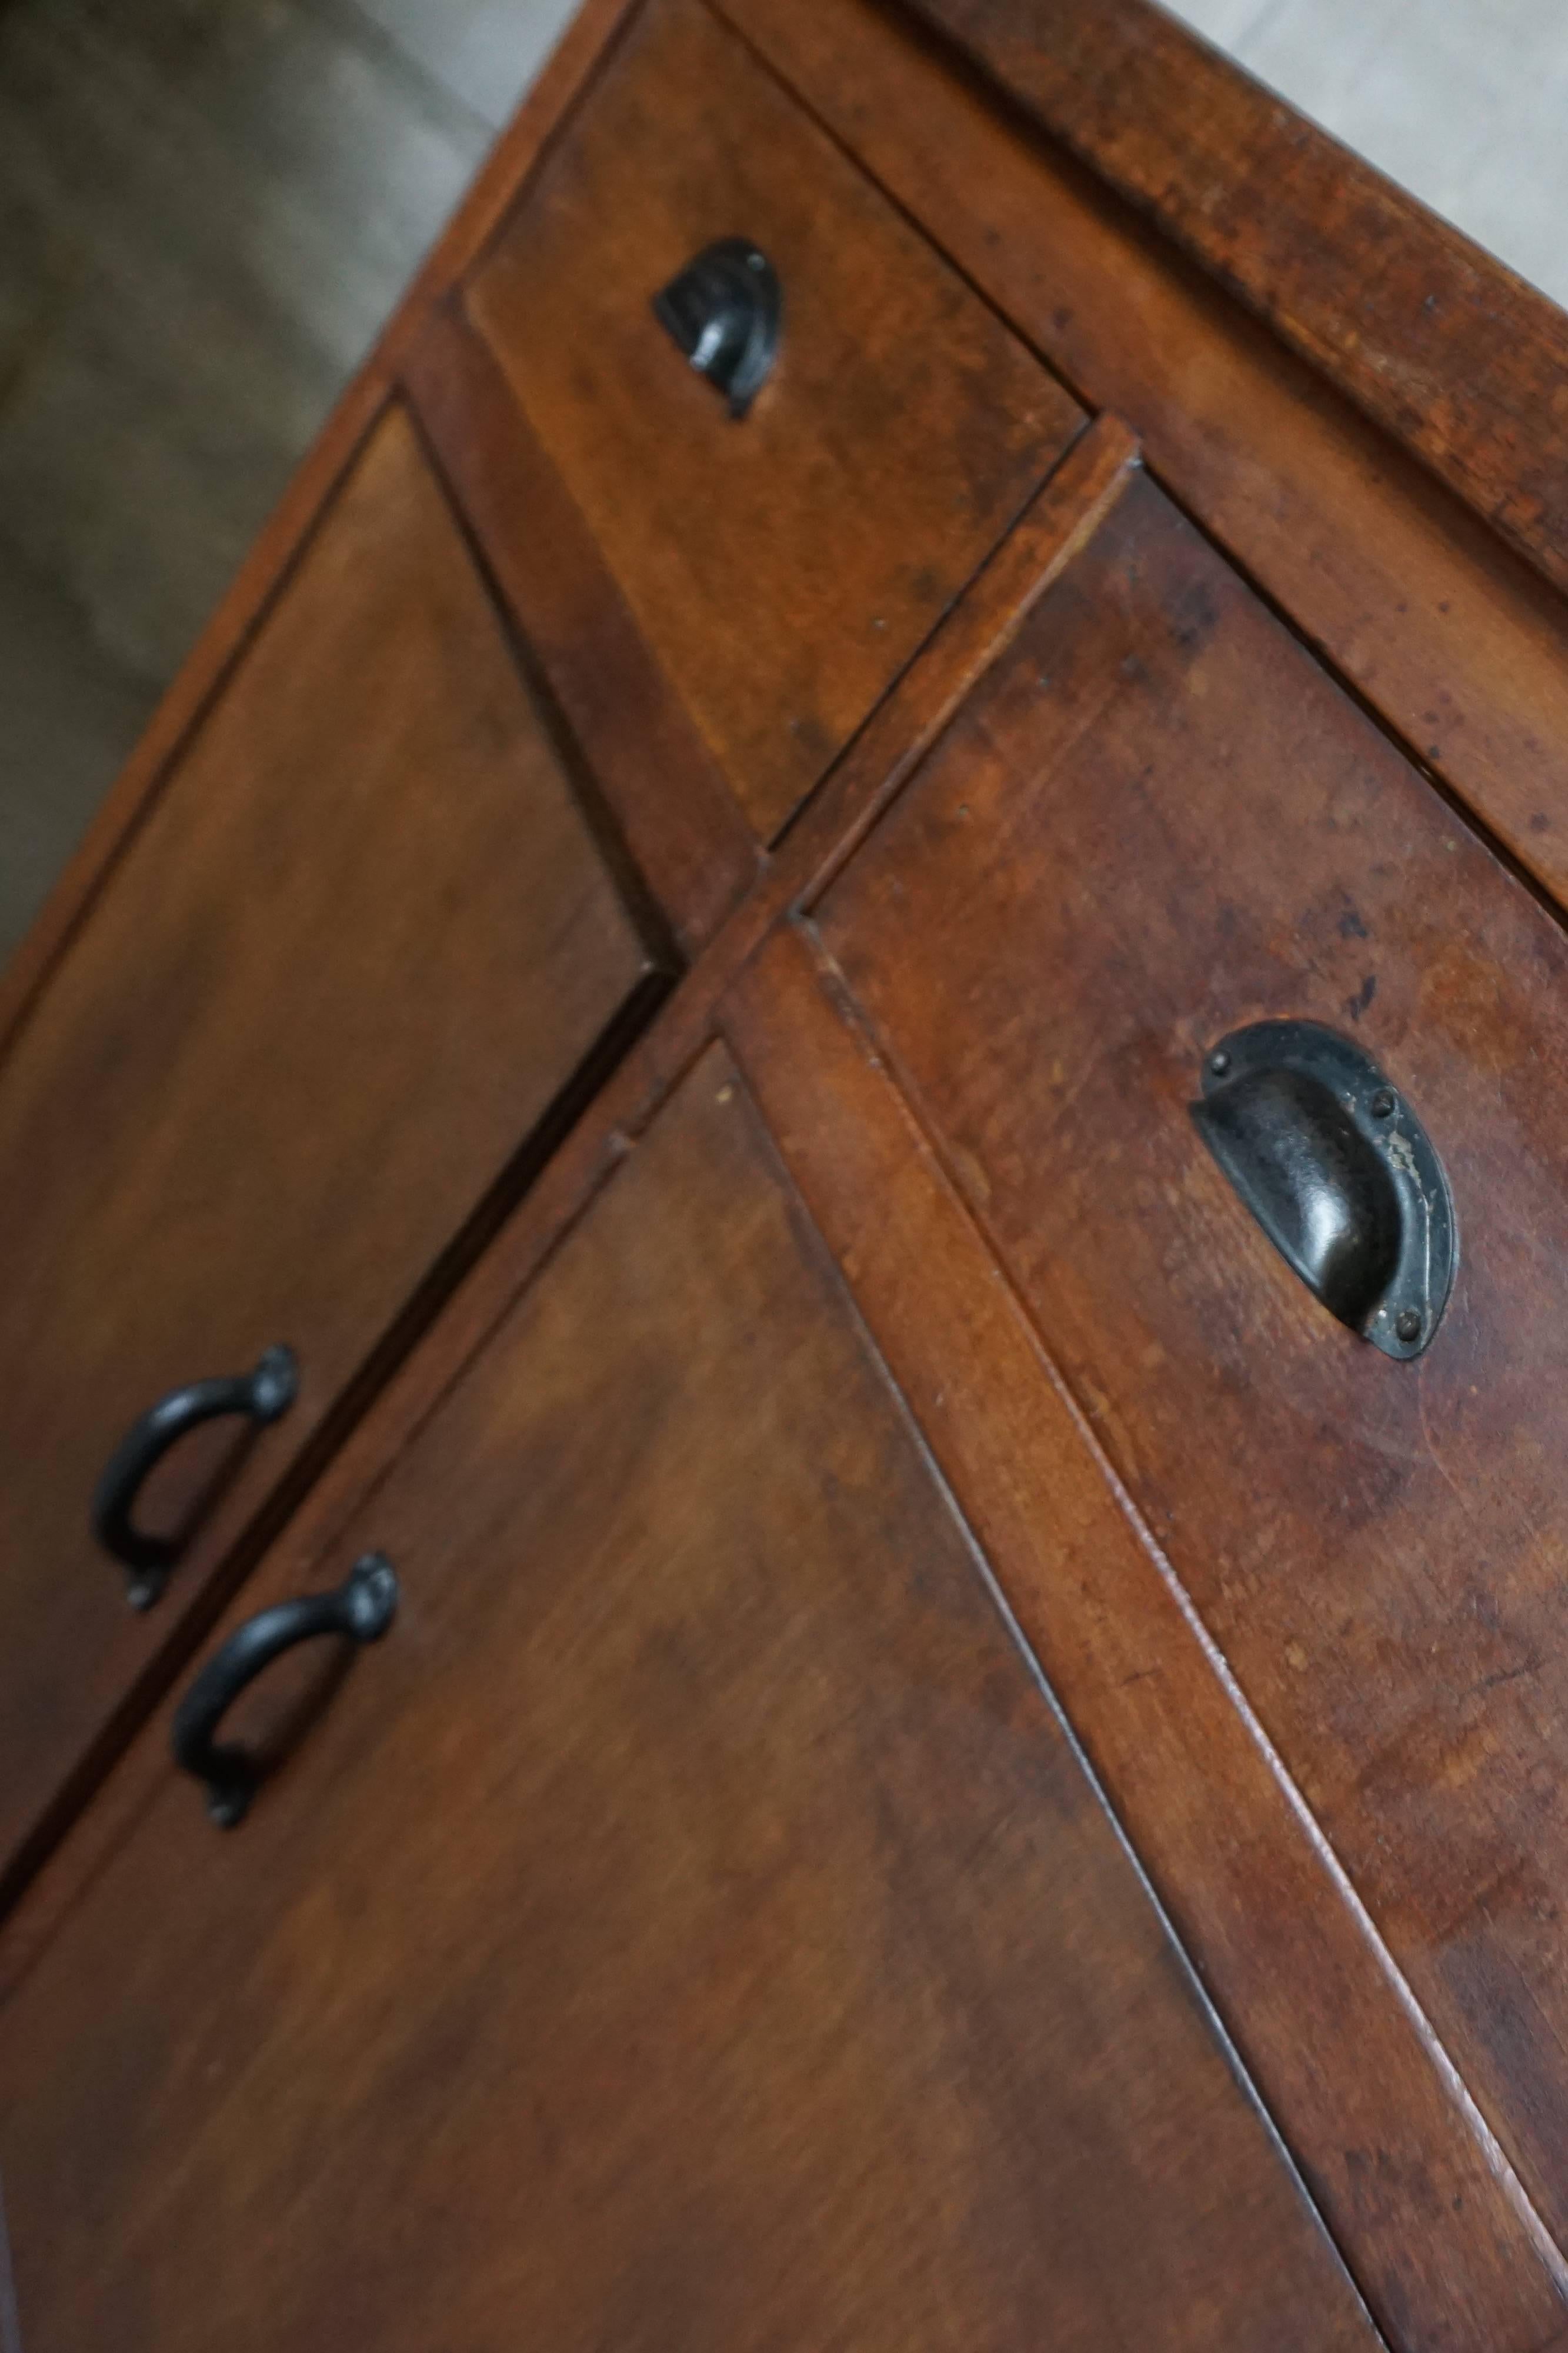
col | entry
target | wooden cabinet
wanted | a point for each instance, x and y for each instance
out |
(691, 1925)
(348, 968)
(959, 1761)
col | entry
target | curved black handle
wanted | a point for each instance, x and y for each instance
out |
(362, 1608)
(262, 1396)
(1340, 1174)
(724, 311)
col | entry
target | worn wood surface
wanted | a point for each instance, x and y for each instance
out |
(363, 945)
(783, 569)
(1157, 821)
(1451, 353)
(1448, 635)
(691, 1923)
(666, 793)
(1428, 2214)
(1088, 482)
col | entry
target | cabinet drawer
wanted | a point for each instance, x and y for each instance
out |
(782, 568)
(1159, 822)
(360, 948)
(691, 1921)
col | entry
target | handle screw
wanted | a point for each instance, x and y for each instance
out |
(1219, 1064)
(1407, 1325)
(1383, 1103)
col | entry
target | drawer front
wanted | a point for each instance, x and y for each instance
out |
(691, 1922)
(1157, 823)
(357, 949)
(783, 567)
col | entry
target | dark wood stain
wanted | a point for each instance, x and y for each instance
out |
(355, 954)
(1437, 2230)
(688, 1929)
(1449, 352)
(681, 824)
(1165, 827)
(782, 570)
(1448, 635)
(694, 1928)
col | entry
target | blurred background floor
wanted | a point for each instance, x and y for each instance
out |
(1464, 102)
(208, 206)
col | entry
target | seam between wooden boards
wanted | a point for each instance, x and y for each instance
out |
(1040, 145)
(912, 220)
(1434, 411)
(1067, 510)
(646, 912)
(1087, 483)
(816, 1240)
(1466, 2114)
(1093, 472)
(1463, 811)
(1089, 412)
(697, 869)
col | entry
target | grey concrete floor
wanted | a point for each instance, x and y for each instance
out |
(207, 208)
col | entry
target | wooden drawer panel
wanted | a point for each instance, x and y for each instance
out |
(783, 568)
(358, 946)
(1159, 820)
(691, 1923)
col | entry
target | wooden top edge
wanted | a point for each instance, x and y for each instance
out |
(1445, 348)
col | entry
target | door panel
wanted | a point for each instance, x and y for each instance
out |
(363, 942)
(691, 1927)
(1156, 822)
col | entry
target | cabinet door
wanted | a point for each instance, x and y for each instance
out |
(360, 947)
(690, 1927)
(1157, 825)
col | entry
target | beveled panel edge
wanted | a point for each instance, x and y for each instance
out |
(1339, 2048)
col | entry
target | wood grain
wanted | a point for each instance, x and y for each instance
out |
(784, 570)
(361, 950)
(682, 825)
(1156, 821)
(691, 1923)
(1061, 518)
(1431, 2218)
(1454, 640)
(1446, 349)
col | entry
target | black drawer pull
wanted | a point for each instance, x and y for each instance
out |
(724, 311)
(1340, 1174)
(262, 1396)
(362, 1608)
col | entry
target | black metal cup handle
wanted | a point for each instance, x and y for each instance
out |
(362, 1608)
(262, 1396)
